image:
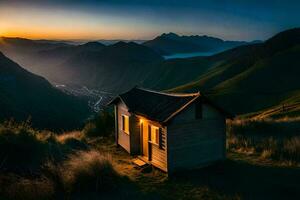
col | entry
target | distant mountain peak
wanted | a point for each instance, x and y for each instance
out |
(120, 43)
(93, 44)
(170, 35)
(14, 38)
(171, 43)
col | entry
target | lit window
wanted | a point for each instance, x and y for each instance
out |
(125, 123)
(154, 135)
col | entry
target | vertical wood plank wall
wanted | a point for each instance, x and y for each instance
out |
(159, 155)
(123, 138)
(196, 142)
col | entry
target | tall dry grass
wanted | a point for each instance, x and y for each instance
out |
(24, 149)
(85, 174)
(64, 137)
(43, 165)
(90, 172)
(271, 139)
(25, 188)
(20, 149)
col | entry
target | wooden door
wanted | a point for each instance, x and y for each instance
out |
(145, 139)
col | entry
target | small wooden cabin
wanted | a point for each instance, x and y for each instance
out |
(170, 131)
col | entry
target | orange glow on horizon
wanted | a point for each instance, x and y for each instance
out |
(49, 33)
(38, 23)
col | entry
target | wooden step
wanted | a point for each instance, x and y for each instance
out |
(139, 162)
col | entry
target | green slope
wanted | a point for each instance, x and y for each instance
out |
(254, 77)
(175, 72)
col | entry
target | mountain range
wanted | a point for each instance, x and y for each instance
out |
(247, 78)
(25, 52)
(24, 95)
(92, 64)
(114, 68)
(171, 43)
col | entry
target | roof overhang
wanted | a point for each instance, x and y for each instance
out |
(204, 99)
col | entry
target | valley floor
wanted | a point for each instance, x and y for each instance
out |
(241, 176)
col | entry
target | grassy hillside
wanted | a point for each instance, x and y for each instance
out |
(288, 109)
(254, 77)
(24, 95)
(176, 72)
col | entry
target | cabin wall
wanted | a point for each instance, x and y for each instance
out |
(157, 154)
(186, 115)
(134, 129)
(196, 142)
(123, 138)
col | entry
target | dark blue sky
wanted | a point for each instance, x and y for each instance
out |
(143, 19)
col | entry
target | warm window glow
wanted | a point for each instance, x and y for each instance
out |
(141, 121)
(154, 134)
(125, 123)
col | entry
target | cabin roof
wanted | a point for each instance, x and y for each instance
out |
(157, 106)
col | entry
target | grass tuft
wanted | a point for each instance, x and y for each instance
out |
(25, 150)
(277, 140)
(90, 171)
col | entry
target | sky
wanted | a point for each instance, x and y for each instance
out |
(145, 19)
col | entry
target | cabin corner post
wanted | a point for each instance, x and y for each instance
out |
(116, 124)
(167, 152)
(141, 137)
